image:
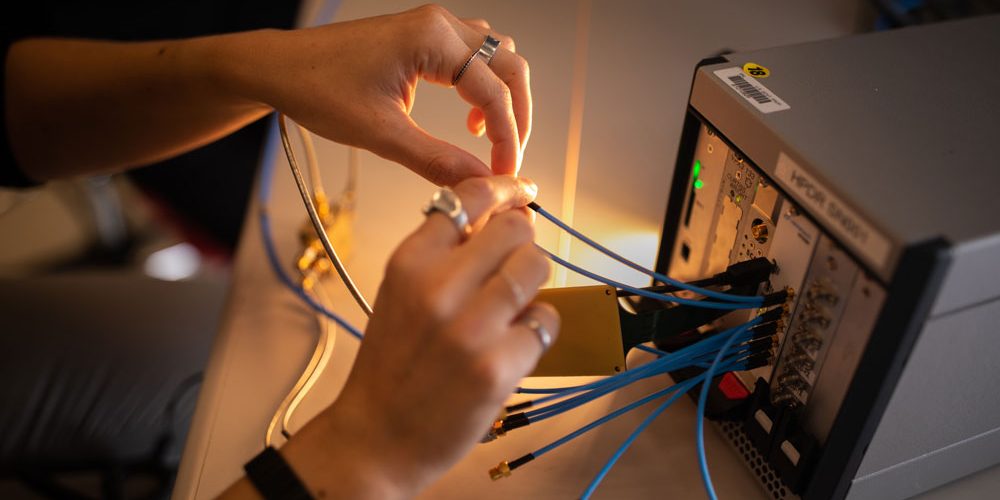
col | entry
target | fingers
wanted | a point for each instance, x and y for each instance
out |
(506, 293)
(476, 122)
(484, 28)
(483, 89)
(481, 197)
(482, 256)
(523, 344)
(512, 70)
(501, 93)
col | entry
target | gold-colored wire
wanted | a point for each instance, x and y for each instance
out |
(317, 220)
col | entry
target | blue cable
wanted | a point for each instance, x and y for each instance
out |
(729, 306)
(590, 385)
(700, 419)
(686, 385)
(705, 379)
(632, 437)
(689, 356)
(614, 383)
(264, 195)
(272, 257)
(649, 272)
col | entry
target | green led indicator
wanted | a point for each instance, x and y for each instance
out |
(695, 172)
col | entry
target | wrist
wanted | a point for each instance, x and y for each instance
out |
(231, 66)
(335, 461)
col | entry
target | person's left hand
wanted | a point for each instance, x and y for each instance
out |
(354, 83)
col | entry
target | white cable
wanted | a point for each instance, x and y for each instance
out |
(305, 382)
(321, 356)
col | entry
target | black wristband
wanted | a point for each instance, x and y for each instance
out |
(273, 478)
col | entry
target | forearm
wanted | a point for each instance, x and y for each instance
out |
(80, 107)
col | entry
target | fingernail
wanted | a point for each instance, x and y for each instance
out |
(528, 186)
(481, 129)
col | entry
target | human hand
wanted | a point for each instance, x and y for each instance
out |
(445, 347)
(354, 83)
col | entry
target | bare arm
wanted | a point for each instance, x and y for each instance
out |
(79, 106)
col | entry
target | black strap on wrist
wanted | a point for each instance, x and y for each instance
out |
(273, 478)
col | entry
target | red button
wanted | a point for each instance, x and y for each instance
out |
(732, 388)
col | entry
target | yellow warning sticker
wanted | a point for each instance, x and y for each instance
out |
(755, 70)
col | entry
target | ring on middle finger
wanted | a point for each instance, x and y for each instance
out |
(487, 50)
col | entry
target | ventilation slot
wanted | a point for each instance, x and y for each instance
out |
(766, 476)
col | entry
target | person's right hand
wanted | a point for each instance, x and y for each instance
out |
(354, 83)
(446, 345)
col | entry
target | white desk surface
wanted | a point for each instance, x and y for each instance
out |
(267, 334)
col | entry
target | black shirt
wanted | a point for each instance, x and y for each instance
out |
(10, 174)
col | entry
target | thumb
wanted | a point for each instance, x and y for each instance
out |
(438, 161)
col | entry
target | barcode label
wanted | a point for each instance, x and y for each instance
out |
(753, 91)
(748, 90)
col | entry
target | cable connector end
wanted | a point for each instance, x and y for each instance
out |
(500, 471)
(496, 430)
(748, 272)
(759, 360)
(513, 422)
(777, 297)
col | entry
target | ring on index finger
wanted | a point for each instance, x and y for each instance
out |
(487, 50)
(448, 203)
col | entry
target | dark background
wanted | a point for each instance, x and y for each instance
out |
(203, 193)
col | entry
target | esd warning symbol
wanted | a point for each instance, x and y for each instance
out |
(755, 70)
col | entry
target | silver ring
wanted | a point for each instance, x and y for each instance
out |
(544, 337)
(448, 203)
(515, 288)
(487, 50)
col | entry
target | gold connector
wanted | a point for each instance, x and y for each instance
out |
(497, 428)
(500, 471)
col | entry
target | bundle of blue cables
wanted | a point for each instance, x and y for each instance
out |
(711, 353)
